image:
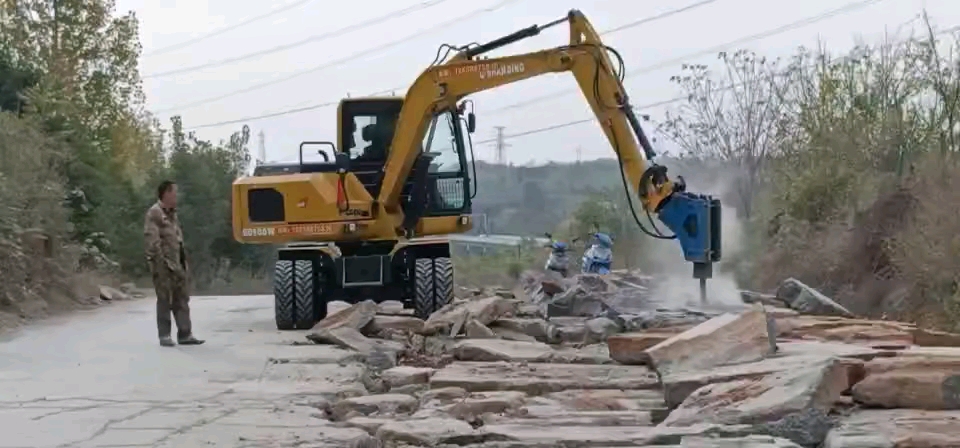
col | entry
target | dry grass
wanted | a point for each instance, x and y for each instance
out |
(899, 258)
(495, 270)
(927, 251)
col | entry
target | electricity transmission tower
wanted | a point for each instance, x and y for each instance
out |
(261, 148)
(500, 146)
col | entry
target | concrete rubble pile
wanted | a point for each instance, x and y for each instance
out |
(595, 361)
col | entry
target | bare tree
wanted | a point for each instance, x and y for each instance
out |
(732, 116)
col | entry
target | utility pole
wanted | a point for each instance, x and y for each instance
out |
(579, 154)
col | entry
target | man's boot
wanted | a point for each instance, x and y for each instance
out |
(166, 341)
(190, 340)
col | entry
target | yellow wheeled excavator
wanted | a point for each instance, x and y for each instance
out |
(369, 219)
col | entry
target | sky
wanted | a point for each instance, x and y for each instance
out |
(392, 52)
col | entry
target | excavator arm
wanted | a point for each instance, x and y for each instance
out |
(693, 219)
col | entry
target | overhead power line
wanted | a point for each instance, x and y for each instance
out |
(315, 38)
(268, 14)
(618, 28)
(765, 34)
(846, 9)
(677, 99)
(280, 113)
(660, 16)
(471, 15)
(587, 120)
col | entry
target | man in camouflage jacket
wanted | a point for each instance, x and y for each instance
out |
(168, 264)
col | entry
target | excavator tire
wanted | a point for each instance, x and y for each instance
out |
(293, 295)
(303, 299)
(433, 285)
(283, 294)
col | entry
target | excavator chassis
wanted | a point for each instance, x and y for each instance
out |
(308, 276)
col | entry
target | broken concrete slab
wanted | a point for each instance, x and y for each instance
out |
(911, 382)
(444, 394)
(599, 329)
(859, 331)
(929, 352)
(913, 363)
(752, 297)
(607, 399)
(368, 424)
(780, 313)
(678, 386)
(820, 348)
(896, 428)
(581, 297)
(396, 323)
(533, 432)
(930, 390)
(537, 435)
(484, 310)
(765, 399)
(807, 300)
(725, 339)
(480, 403)
(501, 350)
(588, 354)
(474, 329)
(630, 348)
(347, 337)
(682, 319)
(406, 375)
(539, 329)
(538, 379)
(383, 404)
(511, 335)
(752, 441)
(431, 431)
(355, 316)
(868, 334)
(934, 338)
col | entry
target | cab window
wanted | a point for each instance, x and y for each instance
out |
(442, 139)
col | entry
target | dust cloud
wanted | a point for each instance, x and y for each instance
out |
(675, 285)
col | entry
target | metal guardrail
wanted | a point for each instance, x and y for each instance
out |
(486, 244)
(497, 240)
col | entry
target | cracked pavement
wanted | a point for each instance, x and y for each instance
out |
(100, 379)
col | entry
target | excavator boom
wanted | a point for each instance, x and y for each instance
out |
(693, 219)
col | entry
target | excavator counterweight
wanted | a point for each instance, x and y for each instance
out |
(367, 219)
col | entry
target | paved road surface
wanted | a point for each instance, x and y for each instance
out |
(99, 379)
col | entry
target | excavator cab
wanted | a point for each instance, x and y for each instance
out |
(367, 127)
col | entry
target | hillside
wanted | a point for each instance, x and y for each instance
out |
(530, 200)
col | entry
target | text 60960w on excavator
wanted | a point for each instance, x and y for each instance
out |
(368, 220)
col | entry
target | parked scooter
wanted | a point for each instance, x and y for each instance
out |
(559, 260)
(599, 257)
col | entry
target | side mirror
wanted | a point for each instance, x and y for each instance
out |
(471, 122)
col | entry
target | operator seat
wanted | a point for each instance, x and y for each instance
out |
(377, 149)
(369, 165)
